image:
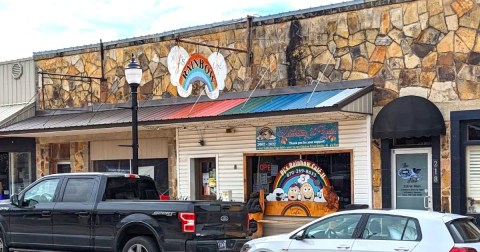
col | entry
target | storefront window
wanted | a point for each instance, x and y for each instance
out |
(20, 172)
(265, 169)
(155, 168)
(473, 179)
(4, 191)
(473, 131)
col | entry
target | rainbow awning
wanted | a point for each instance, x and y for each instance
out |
(350, 98)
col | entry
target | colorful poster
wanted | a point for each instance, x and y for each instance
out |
(302, 184)
(297, 136)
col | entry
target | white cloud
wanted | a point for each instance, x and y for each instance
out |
(33, 26)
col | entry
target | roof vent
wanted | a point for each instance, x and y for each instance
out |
(17, 70)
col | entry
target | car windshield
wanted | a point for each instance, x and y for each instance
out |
(464, 231)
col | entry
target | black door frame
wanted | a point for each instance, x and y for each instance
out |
(458, 144)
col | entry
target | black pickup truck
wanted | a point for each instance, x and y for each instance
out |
(115, 212)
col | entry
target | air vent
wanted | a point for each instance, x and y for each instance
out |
(17, 70)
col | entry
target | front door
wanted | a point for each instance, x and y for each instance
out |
(412, 178)
(206, 179)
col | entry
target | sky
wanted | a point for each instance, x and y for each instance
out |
(30, 26)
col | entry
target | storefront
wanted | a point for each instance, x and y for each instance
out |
(17, 169)
(409, 129)
(308, 162)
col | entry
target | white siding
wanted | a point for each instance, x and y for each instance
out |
(21, 90)
(230, 147)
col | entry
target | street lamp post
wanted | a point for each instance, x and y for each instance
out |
(133, 74)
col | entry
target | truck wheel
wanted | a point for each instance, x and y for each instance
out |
(141, 244)
(3, 245)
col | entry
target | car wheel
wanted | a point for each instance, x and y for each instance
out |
(141, 244)
(3, 244)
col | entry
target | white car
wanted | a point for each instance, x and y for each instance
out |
(368, 230)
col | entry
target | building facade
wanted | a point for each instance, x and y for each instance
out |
(417, 147)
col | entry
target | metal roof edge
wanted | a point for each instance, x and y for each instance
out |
(223, 96)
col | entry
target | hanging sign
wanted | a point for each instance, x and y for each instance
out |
(185, 70)
(297, 136)
(301, 188)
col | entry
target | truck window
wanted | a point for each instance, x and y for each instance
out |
(42, 192)
(78, 190)
(129, 188)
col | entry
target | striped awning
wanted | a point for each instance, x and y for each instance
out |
(352, 99)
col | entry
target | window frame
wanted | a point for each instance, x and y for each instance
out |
(353, 235)
(54, 196)
(92, 195)
(408, 219)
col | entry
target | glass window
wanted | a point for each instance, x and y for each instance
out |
(160, 170)
(473, 131)
(473, 179)
(464, 231)
(79, 190)
(337, 227)
(127, 188)
(263, 171)
(390, 227)
(20, 172)
(42, 192)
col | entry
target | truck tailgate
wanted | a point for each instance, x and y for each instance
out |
(221, 220)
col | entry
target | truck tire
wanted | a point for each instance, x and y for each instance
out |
(3, 244)
(141, 244)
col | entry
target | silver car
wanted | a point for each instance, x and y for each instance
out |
(377, 231)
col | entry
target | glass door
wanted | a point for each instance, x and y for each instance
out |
(206, 181)
(411, 178)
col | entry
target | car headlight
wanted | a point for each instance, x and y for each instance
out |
(246, 248)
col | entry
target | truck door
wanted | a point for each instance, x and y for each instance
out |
(72, 215)
(31, 221)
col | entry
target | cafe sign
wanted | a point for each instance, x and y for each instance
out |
(185, 70)
(301, 188)
(297, 136)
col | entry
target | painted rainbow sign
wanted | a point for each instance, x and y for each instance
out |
(198, 68)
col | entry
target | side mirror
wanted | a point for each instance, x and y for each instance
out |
(14, 200)
(299, 236)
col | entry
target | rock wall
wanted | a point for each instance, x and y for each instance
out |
(429, 48)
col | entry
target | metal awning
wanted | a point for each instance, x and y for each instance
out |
(409, 116)
(351, 96)
(10, 114)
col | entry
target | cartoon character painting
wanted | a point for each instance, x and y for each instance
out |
(306, 191)
(294, 192)
(304, 181)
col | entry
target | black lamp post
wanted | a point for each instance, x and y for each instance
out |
(133, 74)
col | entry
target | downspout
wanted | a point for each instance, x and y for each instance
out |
(249, 40)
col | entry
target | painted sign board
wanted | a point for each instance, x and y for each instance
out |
(185, 70)
(301, 188)
(297, 136)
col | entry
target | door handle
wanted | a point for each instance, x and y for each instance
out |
(426, 201)
(46, 213)
(343, 247)
(401, 249)
(82, 213)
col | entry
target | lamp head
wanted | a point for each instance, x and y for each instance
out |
(133, 72)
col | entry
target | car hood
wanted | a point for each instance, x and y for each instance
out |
(273, 238)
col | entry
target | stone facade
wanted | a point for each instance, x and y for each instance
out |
(428, 48)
